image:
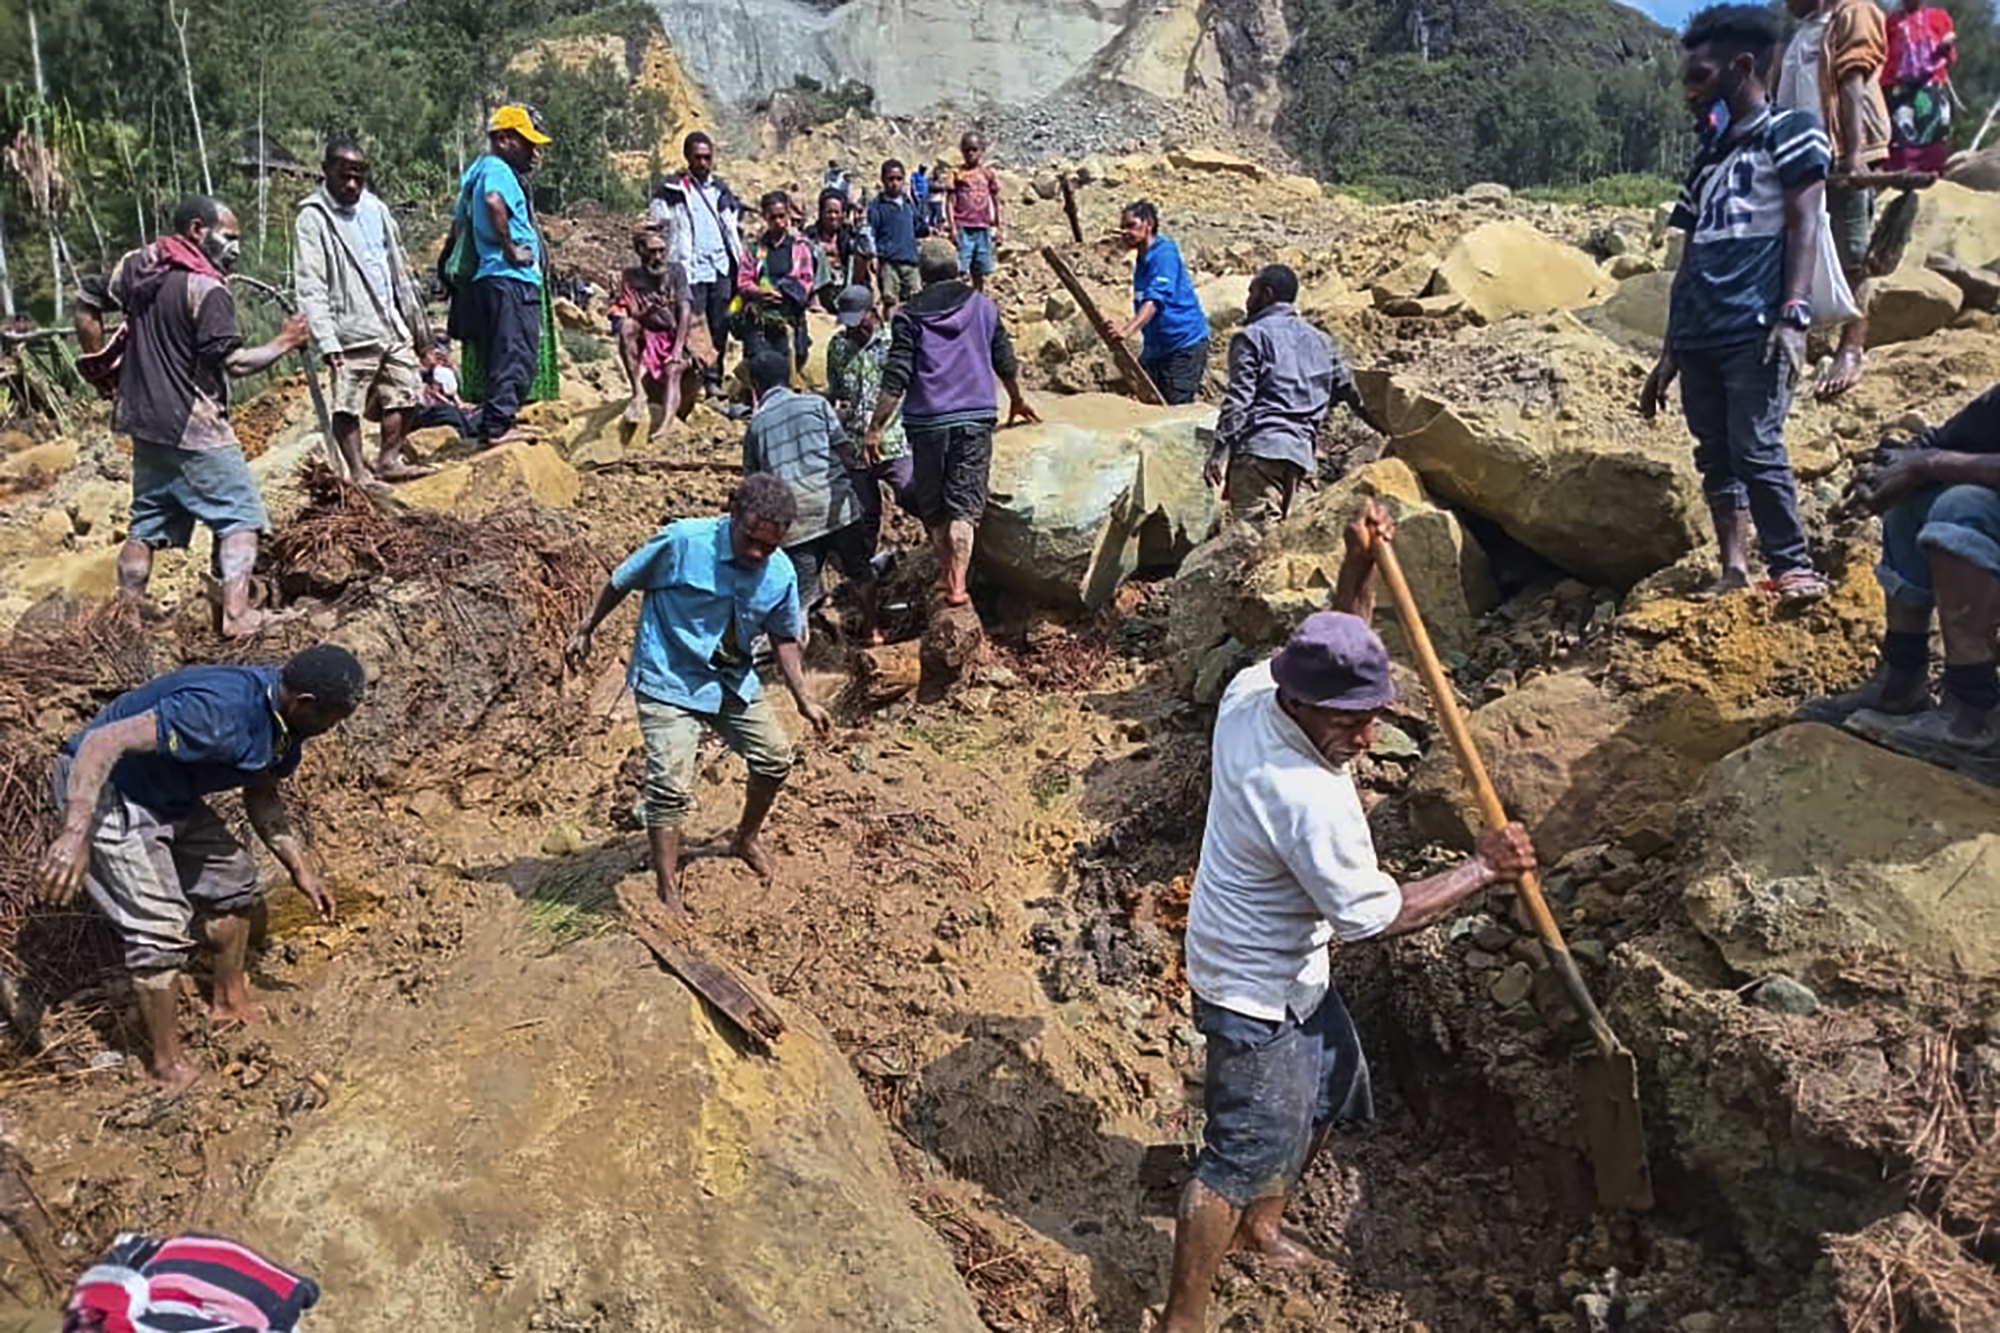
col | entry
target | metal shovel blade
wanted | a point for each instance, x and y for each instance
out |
(1614, 1132)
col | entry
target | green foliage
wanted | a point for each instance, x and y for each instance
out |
(1526, 92)
(412, 79)
(1622, 191)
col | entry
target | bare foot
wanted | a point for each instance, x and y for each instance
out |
(235, 1009)
(635, 411)
(664, 429)
(676, 906)
(874, 638)
(174, 1078)
(1842, 375)
(958, 599)
(251, 623)
(1277, 1247)
(518, 435)
(398, 470)
(1732, 580)
(752, 853)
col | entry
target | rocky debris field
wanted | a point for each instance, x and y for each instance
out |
(990, 1084)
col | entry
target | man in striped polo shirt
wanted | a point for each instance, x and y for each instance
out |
(1741, 308)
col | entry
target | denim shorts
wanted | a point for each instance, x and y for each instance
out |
(975, 251)
(1959, 520)
(173, 489)
(1271, 1087)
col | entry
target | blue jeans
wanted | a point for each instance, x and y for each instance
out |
(1959, 520)
(975, 251)
(1270, 1087)
(1735, 402)
(508, 323)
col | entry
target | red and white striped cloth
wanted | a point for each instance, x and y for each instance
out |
(190, 1284)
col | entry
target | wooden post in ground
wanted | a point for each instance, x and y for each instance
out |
(1069, 208)
(1141, 383)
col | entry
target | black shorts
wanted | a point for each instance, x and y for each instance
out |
(949, 472)
(1178, 375)
(850, 549)
(1271, 1086)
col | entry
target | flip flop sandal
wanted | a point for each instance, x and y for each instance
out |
(1797, 588)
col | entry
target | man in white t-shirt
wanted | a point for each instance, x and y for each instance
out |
(1287, 865)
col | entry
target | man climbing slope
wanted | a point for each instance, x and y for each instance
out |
(711, 588)
(1287, 866)
(139, 834)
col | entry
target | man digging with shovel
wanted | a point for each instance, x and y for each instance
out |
(1287, 865)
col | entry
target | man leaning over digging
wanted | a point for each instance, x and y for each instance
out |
(1288, 866)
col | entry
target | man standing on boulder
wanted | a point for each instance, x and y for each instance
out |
(181, 349)
(703, 218)
(501, 321)
(1165, 308)
(367, 317)
(947, 346)
(710, 590)
(1740, 308)
(1284, 376)
(139, 834)
(1287, 866)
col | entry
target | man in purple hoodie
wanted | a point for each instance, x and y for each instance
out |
(947, 348)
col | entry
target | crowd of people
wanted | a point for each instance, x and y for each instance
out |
(1789, 145)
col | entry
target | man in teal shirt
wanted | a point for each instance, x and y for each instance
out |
(503, 314)
(711, 588)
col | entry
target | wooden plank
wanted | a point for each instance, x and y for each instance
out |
(1141, 383)
(1069, 208)
(681, 954)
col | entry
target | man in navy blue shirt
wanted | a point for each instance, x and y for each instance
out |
(1165, 309)
(139, 833)
(1740, 310)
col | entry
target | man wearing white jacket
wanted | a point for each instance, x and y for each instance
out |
(366, 314)
(703, 218)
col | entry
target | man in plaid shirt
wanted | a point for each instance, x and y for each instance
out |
(798, 438)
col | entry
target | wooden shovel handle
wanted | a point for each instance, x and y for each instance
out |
(1490, 810)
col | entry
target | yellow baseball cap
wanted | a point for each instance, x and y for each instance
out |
(523, 120)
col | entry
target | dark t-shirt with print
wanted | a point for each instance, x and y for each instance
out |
(180, 334)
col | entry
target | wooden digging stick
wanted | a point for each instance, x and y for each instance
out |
(1069, 208)
(1128, 365)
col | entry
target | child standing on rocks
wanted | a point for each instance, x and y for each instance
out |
(972, 209)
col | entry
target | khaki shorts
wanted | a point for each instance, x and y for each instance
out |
(672, 740)
(1260, 490)
(899, 282)
(374, 380)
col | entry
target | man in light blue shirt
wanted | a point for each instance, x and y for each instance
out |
(504, 315)
(710, 589)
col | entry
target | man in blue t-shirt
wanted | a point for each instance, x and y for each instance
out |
(503, 314)
(138, 832)
(710, 590)
(1740, 308)
(1165, 309)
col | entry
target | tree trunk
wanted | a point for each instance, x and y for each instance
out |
(6, 287)
(180, 23)
(35, 128)
(263, 168)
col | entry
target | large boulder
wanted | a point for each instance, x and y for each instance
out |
(1818, 853)
(1223, 300)
(1508, 268)
(1250, 587)
(627, 1157)
(1604, 497)
(1909, 304)
(495, 479)
(1570, 760)
(1635, 314)
(1103, 486)
(1953, 220)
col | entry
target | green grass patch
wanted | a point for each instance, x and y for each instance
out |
(574, 902)
(1622, 191)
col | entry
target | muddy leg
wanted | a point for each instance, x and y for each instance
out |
(1968, 601)
(666, 845)
(869, 593)
(941, 544)
(1202, 1235)
(390, 464)
(670, 401)
(135, 568)
(159, 1009)
(630, 355)
(236, 554)
(229, 936)
(958, 548)
(758, 795)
